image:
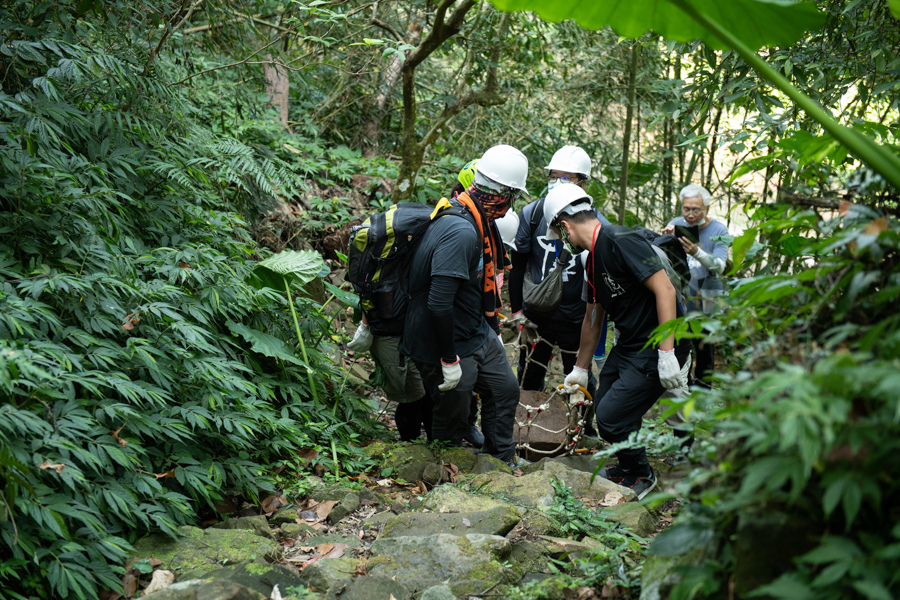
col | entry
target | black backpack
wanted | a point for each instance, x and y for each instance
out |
(379, 257)
(675, 260)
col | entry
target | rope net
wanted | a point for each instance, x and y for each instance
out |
(533, 419)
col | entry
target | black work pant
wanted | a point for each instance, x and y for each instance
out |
(566, 335)
(487, 373)
(412, 417)
(627, 387)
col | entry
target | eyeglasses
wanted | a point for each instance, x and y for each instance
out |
(564, 179)
(692, 211)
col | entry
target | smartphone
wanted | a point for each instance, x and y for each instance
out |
(691, 232)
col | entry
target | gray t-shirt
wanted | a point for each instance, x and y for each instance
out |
(451, 247)
(717, 248)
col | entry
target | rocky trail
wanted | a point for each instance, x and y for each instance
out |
(465, 526)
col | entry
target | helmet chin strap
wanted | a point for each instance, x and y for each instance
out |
(563, 234)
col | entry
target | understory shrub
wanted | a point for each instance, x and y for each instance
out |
(801, 494)
(132, 396)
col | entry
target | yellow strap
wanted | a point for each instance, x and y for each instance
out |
(442, 204)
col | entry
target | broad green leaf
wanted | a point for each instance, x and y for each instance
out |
(264, 343)
(348, 298)
(298, 267)
(895, 8)
(742, 245)
(756, 23)
(873, 590)
(682, 537)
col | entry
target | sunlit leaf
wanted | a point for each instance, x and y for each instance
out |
(756, 23)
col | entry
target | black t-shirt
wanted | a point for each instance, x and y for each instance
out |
(542, 258)
(618, 266)
(451, 247)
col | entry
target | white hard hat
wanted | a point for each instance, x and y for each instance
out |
(566, 198)
(508, 225)
(571, 159)
(505, 165)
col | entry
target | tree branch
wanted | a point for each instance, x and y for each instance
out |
(487, 96)
(382, 25)
(234, 64)
(829, 202)
(187, 11)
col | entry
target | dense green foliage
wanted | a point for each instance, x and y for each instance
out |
(142, 375)
(806, 427)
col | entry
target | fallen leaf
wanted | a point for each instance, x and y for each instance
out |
(610, 590)
(383, 482)
(161, 580)
(115, 434)
(58, 467)
(467, 522)
(109, 595)
(323, 509)
(309, 562)
(287, 542)
(184, 265)
(129, 584)
(337, 551)
(325, 548)
(613, 498)
(166, 474)
(306, 455)
(271, 504)
(300, 558)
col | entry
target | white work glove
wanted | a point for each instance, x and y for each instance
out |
(362, 339)
(452, 373)
(670, 374)
(600, 361)
(516, 319)
(578, 377)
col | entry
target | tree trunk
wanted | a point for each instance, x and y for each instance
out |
(389, 79)
(679, 128)
(372, 130)
(413, 150)
(626, 139)
(277, 88)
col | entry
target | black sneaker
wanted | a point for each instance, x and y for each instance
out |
(614, 473)
(642, 485)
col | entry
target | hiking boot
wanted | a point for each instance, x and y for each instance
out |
(474, 437)
(641, 484)
(613, 473)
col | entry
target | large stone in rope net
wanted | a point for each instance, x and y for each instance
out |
(548, 427)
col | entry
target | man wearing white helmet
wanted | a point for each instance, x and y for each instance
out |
(451, 325)
(536, 252)
(627, 280)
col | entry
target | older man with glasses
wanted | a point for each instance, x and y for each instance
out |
(706, 258)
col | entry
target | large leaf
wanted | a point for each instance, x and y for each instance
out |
(298, 267)
(895, 8)
(264, 343)
(757, 23)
